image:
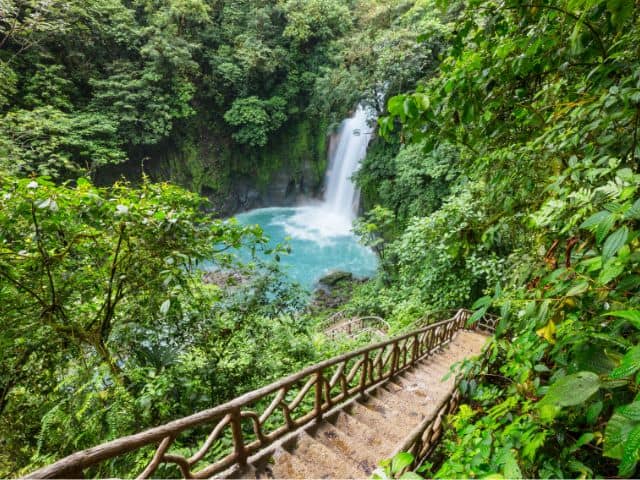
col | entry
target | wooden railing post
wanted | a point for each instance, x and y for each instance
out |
(365, 372)
(238, 440)
(318, 397)
(463, 319)
(394, 358)
(415, 349)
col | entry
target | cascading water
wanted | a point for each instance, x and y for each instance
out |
(341, 195)
(319, 233)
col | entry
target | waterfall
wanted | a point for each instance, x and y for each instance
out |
(323, 222)
(341, 196)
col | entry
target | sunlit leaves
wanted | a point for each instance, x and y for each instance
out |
(614, 242)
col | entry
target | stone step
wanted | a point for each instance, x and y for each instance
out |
(391, 411)
(326, 462)
(369, 437)
(434, 369)
(368, 415)
(364, 459)
(283, 465)
(351, 442)
(395, 395)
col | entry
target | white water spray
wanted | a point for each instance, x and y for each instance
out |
(320, 232)
(342, 197)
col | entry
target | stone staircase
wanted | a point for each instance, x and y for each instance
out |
(350, 442)
(336, 419)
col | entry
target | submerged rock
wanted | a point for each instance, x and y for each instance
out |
(334, 290)
(224, 278)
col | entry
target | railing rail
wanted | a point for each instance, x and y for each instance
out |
(258, 418)
(332, 320)
(357, 325)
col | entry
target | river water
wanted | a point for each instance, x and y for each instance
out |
(319, 233)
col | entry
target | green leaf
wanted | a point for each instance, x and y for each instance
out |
(615, 435)
(634, 211)
(604, 227)
(614, 242)
(468, 112)
(593, 412)
(596, 219)
(632, 316)
(511, 468)
(611, 270)
(164, 308)
(481, 302)
(577, 289)
(395, 105)
(629, 461)
(629, 364)
(571, 390)
(631, 411)
(477, 315)
(583, 440)
(409, 107)
(621, 11)
(401, 461)
(411, 476)
(422, 101)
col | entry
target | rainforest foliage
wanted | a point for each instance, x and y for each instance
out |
(86, 84)
(523, 150)
(505, 176)
(106, 325)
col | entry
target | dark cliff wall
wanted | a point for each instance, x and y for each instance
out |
(235, 178)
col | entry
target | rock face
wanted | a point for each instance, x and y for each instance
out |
(234, 178)
(224, 278)
(285, 188)
(334, 290)
(335, 277)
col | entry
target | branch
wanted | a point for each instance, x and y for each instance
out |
(593, 30)
(106, 321)
(45, 255)
(25, 288)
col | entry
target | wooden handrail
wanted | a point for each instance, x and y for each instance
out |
(355, 325)
(330, 382)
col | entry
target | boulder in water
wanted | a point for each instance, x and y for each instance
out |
(224, 278)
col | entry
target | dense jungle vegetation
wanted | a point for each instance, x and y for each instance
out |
(509, 179)
(504, 177)
(106, 325)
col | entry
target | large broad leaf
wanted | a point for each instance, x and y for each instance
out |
(477, 315)
(511, 468)
(634, 211)
(616, 433)
(633, 316)
(631, 411)
(395, 105)
(614, 242)
(571, 390)
(611, 270)
(481, 302)
(629, 365)
(596, 219)
(401, 461)
(629, 461)
(603, 228)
